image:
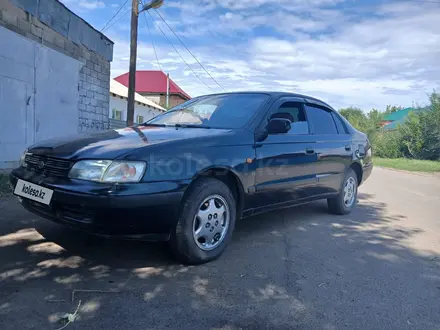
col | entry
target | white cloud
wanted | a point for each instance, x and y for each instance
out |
(370, 62)
(386, 57)
(82, 5)
(91, 4)
(349, 91)
(285, 4)
(195, 21)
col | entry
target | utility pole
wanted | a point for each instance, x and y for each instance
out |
(133, 53)
(133, 56)
(168, 91)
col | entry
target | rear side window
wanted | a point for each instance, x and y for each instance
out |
(320, 120)
(339, 125)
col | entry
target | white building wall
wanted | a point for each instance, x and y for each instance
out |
(119, 104)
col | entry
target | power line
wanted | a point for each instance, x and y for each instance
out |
(120, 17)
(424, 1)
(152, 42)
(175, 49)
(189, 51)
(111, 19)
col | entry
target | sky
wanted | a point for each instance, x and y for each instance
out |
(362, 53)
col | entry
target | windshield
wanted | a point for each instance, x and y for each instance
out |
(216, 111)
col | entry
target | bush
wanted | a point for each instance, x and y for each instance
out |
(387, 145)
(420, 133)
(417, 137)
(364, 122)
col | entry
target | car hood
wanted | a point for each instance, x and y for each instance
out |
(112, 144)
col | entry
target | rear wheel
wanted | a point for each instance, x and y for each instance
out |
(347, 197)
(206, 222)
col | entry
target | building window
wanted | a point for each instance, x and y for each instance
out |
(116, 114)
(140, 119)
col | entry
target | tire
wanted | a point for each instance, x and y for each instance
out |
(337, 205)
(184, 243)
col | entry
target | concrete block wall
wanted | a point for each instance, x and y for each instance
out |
(51, 24)
(94, 94)
(54, 14)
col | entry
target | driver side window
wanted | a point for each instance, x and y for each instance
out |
(294, 111)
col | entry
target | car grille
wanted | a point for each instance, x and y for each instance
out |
(48, 165)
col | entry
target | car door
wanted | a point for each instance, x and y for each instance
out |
(284, 171)
(332, 146)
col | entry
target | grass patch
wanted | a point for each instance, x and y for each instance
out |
(409, 164)
(5, 188)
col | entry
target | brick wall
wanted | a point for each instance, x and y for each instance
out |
(174, 99)
(51, 24)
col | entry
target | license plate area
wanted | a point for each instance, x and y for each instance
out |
(33, 192)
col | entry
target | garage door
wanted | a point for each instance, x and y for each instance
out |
(56, 103)
(14, 118)
(38, 95)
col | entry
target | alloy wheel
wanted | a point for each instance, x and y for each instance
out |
(211, 222)
(349, 192)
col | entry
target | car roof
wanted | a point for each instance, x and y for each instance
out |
(277, 95)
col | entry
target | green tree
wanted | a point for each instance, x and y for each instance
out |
(392, 108)
(355, 116)
(375, 117)
(364, 122)
(417, 137)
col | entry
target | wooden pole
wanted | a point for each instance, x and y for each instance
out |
(133, 56)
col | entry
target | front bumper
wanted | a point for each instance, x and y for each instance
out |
(135, 211)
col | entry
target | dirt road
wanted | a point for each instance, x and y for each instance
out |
(378, 268)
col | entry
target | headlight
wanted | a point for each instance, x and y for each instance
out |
(121, 171)
(92, 170)
(108, 171)
(23, 159)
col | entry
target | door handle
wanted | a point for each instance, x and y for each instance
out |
(348, 147)
(310, 151)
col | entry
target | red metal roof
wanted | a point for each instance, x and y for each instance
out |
(152, 82)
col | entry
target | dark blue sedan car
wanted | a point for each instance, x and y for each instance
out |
(187, 175)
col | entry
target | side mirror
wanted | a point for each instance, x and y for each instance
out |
(278, 126)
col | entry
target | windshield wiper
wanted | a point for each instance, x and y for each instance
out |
(176, 125)
(152, 124)
(191, 126)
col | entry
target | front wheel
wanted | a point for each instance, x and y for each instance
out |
(347, 197)
(206, 222)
